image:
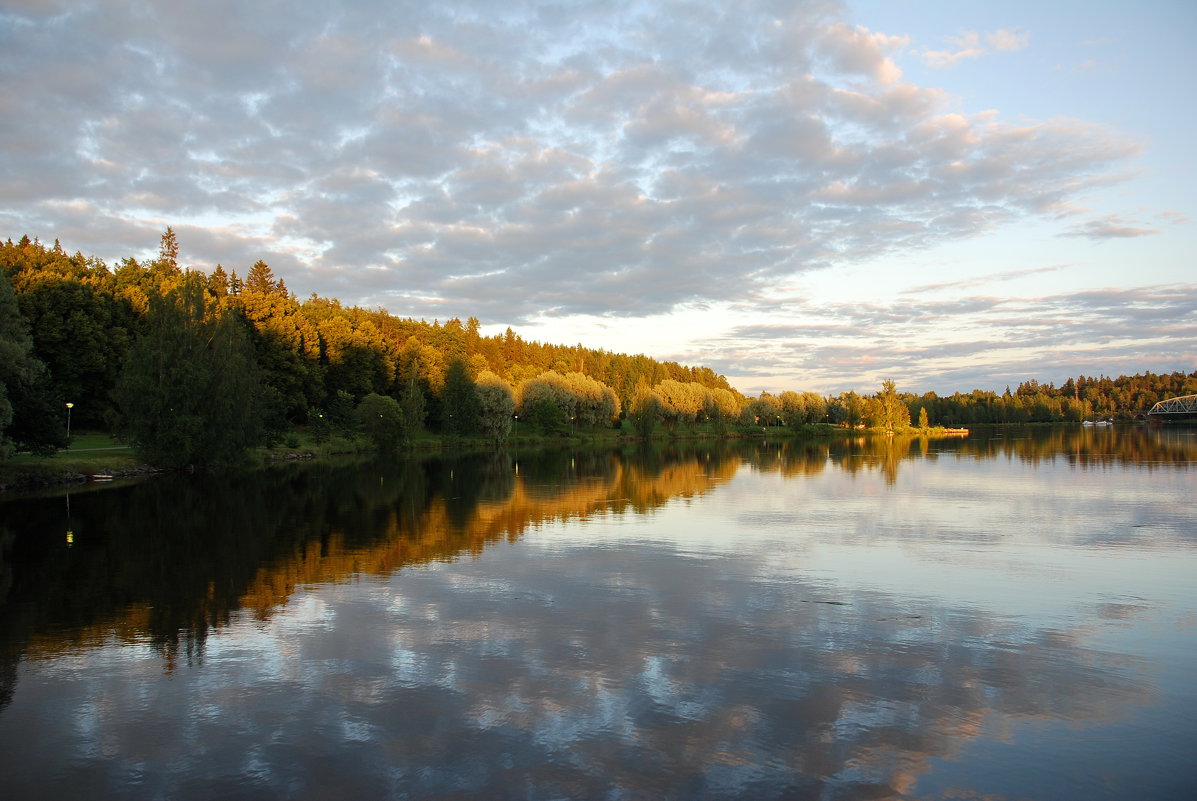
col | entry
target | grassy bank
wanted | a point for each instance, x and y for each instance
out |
(90, 453)
(97, 453)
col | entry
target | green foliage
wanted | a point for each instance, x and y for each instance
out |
(764, 411)
(496, 407)
(887, 411)
(82, 334)
(190, 391)
(681, 402)
(30, 416)
(645, 412)
(319, 425)
(459, 406)
(275, 425)
(546, 417)
(414, 407)
(83, 318)
(340, 414)
(847, 410)
(381, 420)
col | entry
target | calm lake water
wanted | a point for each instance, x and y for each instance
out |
(1007, 616)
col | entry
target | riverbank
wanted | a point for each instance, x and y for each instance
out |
(97, 456)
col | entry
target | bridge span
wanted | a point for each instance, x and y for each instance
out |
(1174, 409)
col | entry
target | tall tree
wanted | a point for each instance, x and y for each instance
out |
(168, 248)
(414, 409)
(459, 403)
(261, 279)
(888, 410)
(190, 390)
(496, 406)
(645, 410)
(29, 417)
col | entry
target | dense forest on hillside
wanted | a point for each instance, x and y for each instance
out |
(79, 323)
(196, 366)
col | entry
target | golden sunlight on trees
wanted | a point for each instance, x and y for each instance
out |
(646, 411)
(496, 406)
(76, 321)
(887, 411)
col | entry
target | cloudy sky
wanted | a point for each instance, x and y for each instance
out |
(800, 195)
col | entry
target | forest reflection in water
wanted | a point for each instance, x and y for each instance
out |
(857, 619)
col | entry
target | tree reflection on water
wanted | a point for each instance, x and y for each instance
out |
(383, 630)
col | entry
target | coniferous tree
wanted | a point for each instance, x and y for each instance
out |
(168, 248)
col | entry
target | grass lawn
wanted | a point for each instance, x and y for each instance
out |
(90, 452)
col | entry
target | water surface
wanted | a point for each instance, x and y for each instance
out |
(1008, 616)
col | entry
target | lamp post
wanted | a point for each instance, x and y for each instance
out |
(69, 407)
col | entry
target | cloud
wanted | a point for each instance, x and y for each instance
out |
(513, 161)
(1006, 40)
(1008, 275)
(857, 50)
(1109, 226)
(968, 45)
(960, 343)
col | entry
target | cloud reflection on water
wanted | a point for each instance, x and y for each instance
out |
(478, 632)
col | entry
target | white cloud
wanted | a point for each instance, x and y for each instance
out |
(517, 161)
(968, 45)
(1006, 40)
(1109, 226)
(857, 50)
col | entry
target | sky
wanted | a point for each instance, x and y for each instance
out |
(810, 196)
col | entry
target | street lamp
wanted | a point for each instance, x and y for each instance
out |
(69, 407)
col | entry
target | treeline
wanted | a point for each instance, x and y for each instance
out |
(76, 331)
(1077, 399)
(196, 367)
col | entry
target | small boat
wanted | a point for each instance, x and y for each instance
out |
(101, 477)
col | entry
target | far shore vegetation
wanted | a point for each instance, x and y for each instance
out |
(110, 370)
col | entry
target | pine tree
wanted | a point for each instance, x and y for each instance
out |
(168, 249)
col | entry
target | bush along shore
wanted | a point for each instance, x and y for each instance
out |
(101, 457)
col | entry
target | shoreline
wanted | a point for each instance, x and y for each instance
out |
(84, 466)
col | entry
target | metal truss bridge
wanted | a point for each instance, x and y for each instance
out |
(1182, 408)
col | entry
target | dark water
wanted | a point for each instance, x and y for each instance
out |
(1011, 616)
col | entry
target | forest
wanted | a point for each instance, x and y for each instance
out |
(196, 367)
